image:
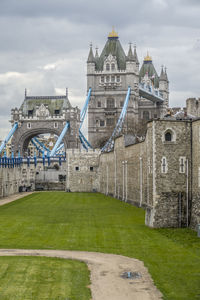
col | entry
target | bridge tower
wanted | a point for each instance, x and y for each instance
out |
(109, 75)
(41, 115)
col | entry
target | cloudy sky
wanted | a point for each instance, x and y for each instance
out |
(44, 45)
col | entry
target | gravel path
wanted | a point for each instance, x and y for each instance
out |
(106, 271)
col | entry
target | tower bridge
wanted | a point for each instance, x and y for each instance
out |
(120, 95)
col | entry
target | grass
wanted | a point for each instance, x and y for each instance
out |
(32, 278)
(94, 222)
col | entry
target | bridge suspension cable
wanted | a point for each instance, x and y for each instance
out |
(3, 144)
(60, 138)
(82, 138)
(41, 144)
(110, 143)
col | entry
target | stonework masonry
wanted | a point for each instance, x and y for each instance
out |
(153, 173)
(82, 170)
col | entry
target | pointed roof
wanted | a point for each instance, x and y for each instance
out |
(163, 75)
(112, 46)
(135, 55)
(130, 56)
(148, 68)
(166, 74)
(91, 55)
(96, 54)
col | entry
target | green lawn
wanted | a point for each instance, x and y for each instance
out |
(94, 222)
(32, 278)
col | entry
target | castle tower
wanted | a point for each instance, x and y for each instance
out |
(109, 76)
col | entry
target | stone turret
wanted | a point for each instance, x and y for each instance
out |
(164, 85)
(90, 62)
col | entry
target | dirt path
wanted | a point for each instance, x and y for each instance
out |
(14, 197)
(106, 271)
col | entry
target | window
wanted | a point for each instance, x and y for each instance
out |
(112, 78)
(102, 79)
(99, 104)
(102, 123)
(164, 167)
(118, 78)
(30, 113)
(155, 116)
(56, 111)
(110, 122)
(110, 103)
(28, 125)
(55, 125)
(107, 78)
(77, 168)
(112, 67)
(182, 164)
(146, 115)
(107, 67)
(121, 103)
(168, 136)
(91, 169)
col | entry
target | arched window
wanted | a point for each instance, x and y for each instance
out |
(164, 167)
(168, 136)
(112, 67)
(107, 67)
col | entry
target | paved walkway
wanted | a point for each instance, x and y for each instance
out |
(14, 197)
(106, 271)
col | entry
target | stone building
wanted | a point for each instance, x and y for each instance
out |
(45, 114)
(155, 173)
(109, 75)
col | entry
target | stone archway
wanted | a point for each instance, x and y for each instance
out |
(23, 135)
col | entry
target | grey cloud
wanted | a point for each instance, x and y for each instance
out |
(40, 33)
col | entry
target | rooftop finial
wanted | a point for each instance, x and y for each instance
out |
(113, 34)
(148, 58)
(25, 93)
(67, 92)
(96, 54)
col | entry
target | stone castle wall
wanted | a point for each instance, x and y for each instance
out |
(82, 171)
(12, 178)
(135, 173)
(195, 212)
